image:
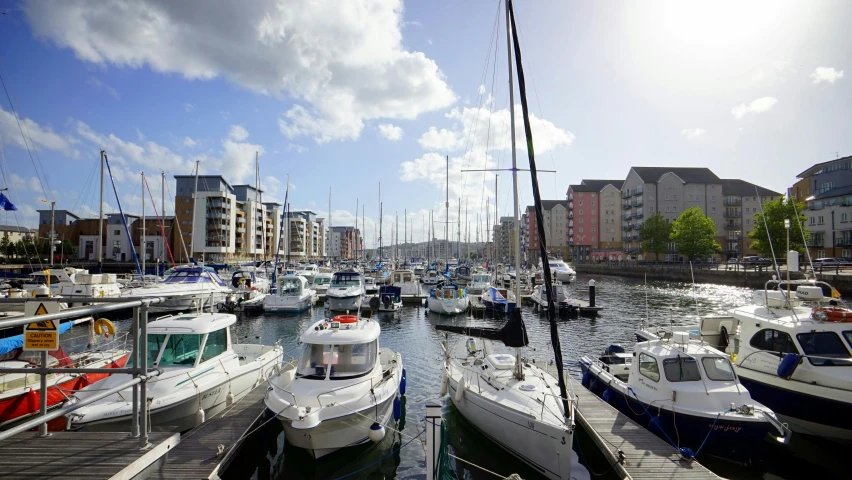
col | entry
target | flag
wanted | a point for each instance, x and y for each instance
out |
(834, 293)
(7, 204)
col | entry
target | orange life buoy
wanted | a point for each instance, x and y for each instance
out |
(345, 318)
(833, 314)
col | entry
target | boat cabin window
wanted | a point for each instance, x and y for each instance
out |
(848, 336)
(174, 350)
(681, 369)
(321, 280)
(291, 286)
(217, 343)
(41, 280)
(314, 361)
(346, 279)
(351, 361)
(773, 341)
(826, 345)
(718, 369)
(648, 367)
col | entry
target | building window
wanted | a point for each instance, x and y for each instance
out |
(820, 253)
(820, 220)
(667, 197)
(581, 212)
(580, 203)
(674, 196)
(714, 209)
(812, 221)
(580, 230)
(593, 202)
(844, 217)
(116, 232)
(713, 198)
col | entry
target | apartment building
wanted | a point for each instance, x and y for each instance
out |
(307, 235)
(344, 242)
(504, 239)
(827, 190)
(741, 201)
(14, 233)
(555, 215)
(594, 218)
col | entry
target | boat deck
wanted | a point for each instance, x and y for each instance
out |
(197, 455)
(83, 455)
(634, 452)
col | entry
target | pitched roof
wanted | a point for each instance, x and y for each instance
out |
(834, 192)
(687, 174)
(15, 228)
(818, 166)
(741, 188)
(595, 185)
(549, 204)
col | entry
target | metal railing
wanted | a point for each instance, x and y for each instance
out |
(138, 359)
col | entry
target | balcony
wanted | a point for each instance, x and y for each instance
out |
(625, 194)
(735, 226)
(817, 242)
(241, 219)
(729, 213)
(241, 230)
(570, 205)
(627, 216)
(733, 201)
(638, 191)
(638, 215)
(843, 242)
(636, 203)
(625, 228)
(570, 214)
(570, 197)
(734, 236)
(625, 206)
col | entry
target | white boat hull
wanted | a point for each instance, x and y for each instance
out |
(343, 304)
(447, 306)
(276, 304)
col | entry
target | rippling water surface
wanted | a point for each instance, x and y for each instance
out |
(627, 303)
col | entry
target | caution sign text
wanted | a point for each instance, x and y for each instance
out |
(42, 336)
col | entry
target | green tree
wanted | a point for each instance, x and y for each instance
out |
(774, 213)
(4, 244)
(694, 234)
(656, 233)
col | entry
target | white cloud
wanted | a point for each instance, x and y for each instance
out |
(295, 147)
(100, 84)
(391, 132)
(692, 132)
(38, 137)
(342, 63)
(763, 104)
(237, 133)
(188, 142)
(188, 107)
(826, 74)
(28, 184)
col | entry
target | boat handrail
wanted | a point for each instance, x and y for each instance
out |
(384, 378)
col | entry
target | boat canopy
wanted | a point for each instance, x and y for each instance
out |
(292, 285)
(192, 323)
(344, 279)
(195, 275)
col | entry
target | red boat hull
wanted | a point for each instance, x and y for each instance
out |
(28, 403)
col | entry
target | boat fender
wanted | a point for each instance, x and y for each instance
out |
(376, 433)
(229, 400)
(104, 327)
(460, 387)
(687, 454)
(788, 365)
(444, 383)
(397, 409)
(606, 396)
(402, 383)
(200, 416)
(587, 378)
(593, 383)
(374, 303)
(32, 400)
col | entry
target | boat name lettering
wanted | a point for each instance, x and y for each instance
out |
(211, 393)
(726, 428)
(531, 425)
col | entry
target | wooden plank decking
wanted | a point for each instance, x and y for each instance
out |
(197, 455)
(646, 456)
(82, 455)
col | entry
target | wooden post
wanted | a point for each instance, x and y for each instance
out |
(433, 438)
(591, 293)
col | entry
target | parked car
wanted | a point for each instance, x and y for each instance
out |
(755, 261)
(830, 262)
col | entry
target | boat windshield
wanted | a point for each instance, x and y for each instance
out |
(39, 279)
(822, 347)
(681, 369)
(321, 280)
(291, 286)
(177, 349)
(346, 279)
(718, 369)
(481, 278)
(558, 265)
(339, 361)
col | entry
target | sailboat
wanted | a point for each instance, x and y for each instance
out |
(518, 405)
(449, 299)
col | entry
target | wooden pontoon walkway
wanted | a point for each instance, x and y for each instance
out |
(198, 455)
(645, 455)
(82, 455)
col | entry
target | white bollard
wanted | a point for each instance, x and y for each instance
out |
(433, 438)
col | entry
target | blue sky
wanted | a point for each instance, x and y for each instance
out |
(344, 95)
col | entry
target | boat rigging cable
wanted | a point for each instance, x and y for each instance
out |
(160, 223)
(284, 218)
(4, 168)
(124, 220)
(177, 223)
(548, 282)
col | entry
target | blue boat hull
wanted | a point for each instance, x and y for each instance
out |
(734, 440)
(498, 307)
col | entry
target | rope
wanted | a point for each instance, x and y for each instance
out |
(159, 224)
(393, 452)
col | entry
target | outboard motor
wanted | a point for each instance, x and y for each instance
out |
(387, 300)
(609, 356)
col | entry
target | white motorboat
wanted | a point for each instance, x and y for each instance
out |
(293, 295)
(432, 277)
(448, 300)
(479, 284)
(370, 287)
(791, 349)
(702, 395)
(561, 271)
(389, 298)
(512, 401)
(346, 292)
(564, 302)
(407, 282)
(187, 288)
(73, 282)
(250, 278)
(203, 372)
(321, 283)
(309, 272)
(342, 391)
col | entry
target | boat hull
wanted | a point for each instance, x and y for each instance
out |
(344, 304)
(273, 304)
(727, 438)
(341, 432)
(453, 306)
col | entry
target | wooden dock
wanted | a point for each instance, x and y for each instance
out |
(198, 455)
(83, 455)
(633, 451)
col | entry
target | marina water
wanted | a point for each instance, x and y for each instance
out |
(626, 302)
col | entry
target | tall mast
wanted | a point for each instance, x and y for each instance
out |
(357, 237)
(163, 209)
(363, 227)
(497, 257)
(194, 198)
(405, 236)
(447, 217)
(458, 242)
(101, 215)
(329, 253)
(143, 242)
(259, 210)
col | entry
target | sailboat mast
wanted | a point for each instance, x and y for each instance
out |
(101, 216)
(329, 252)
(514, 159)
(194, 198)
(447, 217)
(405, 236)
(144, 244)
(496, 222)
(357, 237)
(259, 210)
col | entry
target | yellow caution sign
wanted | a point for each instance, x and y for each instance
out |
(44, 335)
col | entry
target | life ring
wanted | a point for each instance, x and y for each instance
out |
(104, 327)
(832, 314)
(345, 319)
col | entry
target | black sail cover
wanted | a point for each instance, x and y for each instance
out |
(512, 334)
